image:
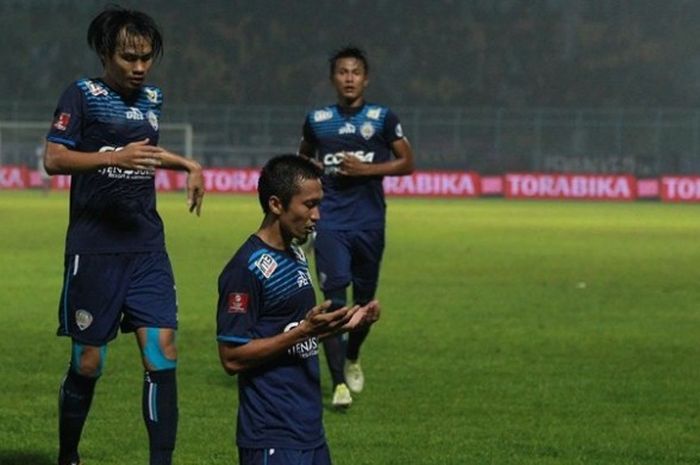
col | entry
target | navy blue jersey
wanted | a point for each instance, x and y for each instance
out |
(352, 203)
(264, 292)
(111, 210)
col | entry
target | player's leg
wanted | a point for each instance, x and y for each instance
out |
(89, 313)
(332, 254)
(151, 311)
(159, 402)
(75, 398)
(368, 248)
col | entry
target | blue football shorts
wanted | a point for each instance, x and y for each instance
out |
(102, 292)
(345, 257)
(319, 456)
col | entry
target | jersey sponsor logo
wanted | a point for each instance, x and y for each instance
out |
(151, 95)
(398, 130)
(332, 161)
(96, 89)
(303, 278)
(367, 130)
(266, 264)
(304, 349)
(83, 319)
(134, 113)
(322, 115)
(114, 172)
(374, 113)
(152, 119)
(238, 302)
(62, 121)
(347, 128)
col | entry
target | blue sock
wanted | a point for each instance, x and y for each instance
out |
(74, 399)
(160, 414)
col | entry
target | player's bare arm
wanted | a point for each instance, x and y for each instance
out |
(195, 178)
(319, 322)
(307, 150)
(59, 159)
(401, 165)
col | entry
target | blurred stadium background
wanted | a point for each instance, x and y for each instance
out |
(492, 86)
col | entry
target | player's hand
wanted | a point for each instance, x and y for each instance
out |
(364, 316)
(195, 190)
(352, 166)
(322, 323)
(137, 156)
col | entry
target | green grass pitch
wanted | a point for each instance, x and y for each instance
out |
(513, 333)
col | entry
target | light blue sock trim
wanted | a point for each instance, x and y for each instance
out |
(153, 352)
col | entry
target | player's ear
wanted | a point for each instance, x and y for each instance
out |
(275, 204)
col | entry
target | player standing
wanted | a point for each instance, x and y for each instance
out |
(357, 143)
(268, 325)
(105, 134)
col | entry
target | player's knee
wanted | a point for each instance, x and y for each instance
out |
(88, 360)
(159, 353)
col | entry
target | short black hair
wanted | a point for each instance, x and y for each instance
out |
(104, 30)
(282, 176)
(349, 51)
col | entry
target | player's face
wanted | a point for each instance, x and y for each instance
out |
(127, 68)
(350, 81)
(299, 219)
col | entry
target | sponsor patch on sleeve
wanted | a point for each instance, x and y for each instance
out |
(61, 122)
(238, 302)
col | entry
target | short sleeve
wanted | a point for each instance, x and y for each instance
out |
(66, 128)
(308, 133)
(239, 304)
(392, 127)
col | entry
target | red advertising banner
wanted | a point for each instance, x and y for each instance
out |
(680, 188)
(14, 177)
(434, 184)
(570, 186)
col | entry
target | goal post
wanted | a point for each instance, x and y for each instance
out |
(21, 142)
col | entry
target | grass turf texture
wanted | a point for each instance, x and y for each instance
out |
(512, 333)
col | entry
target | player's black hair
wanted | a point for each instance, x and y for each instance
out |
(282, 176)
(103, 33)
(349, 51)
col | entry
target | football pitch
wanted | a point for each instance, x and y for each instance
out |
(512, 333)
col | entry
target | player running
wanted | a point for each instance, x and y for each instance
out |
(357, 143)
(117, 271)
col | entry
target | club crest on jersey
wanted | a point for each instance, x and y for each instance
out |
(96, 89)
(83, 319)
(266, 264)
(367, 130)
(151, 95)
(62, 121)
(134, 113)
(374, 113)
(399, 131)
(153, 120)
(322, 115)
(238, 302)
(347, 128)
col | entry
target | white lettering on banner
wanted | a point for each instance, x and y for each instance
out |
(447, 184)
(11, 178)
(569, 186)
(680, 188)
(163, 180)
(231, 180)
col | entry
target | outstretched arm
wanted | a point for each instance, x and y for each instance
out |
(195, 179)
(318, 323)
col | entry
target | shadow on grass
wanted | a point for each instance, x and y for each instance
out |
(12, 457)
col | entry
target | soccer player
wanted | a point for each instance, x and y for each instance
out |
(117, 272)
(268, 325)
(357, 143)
